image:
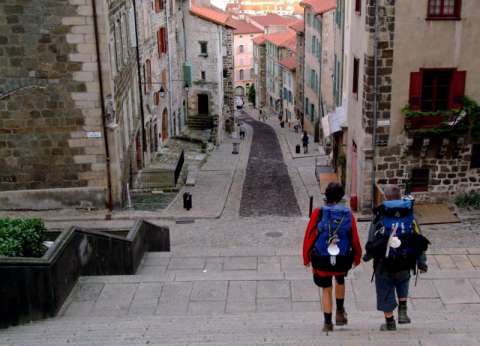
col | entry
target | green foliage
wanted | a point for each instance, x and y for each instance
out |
(468, 200)
(22, 237)
(471, 109)
(251, 94)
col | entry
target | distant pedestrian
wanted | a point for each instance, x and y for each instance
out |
(242, 131)
(397, 248)
(305, 141)
(260, 115)
(332, 246)
(296, 125)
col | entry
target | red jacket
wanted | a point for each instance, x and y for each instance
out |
(311, 234)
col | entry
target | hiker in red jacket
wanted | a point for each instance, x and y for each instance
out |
(332, 246)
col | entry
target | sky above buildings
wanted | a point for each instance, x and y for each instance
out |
(220, 3)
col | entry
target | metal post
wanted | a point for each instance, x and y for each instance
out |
(310, 210)
(375, 101)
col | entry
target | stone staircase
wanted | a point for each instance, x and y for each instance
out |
(240, 300)
(200, 122)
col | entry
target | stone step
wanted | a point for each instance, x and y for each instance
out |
(298, 328)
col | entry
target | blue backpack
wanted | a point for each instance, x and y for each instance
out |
(397, 216)
(335, 226)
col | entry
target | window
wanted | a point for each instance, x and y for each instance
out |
(356, 69)
(204, 75)
(252, 73)
(475, 159)
(241, 75)
(419, 179)
(444, 9)
(240, 48)
(147, 72)
(358, 7)
(162, 41)
(203, 48)
(159, 5)
(437, 89)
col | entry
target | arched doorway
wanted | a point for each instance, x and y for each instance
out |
(165, 125)
(239, 91)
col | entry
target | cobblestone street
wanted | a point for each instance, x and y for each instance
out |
(267, 189)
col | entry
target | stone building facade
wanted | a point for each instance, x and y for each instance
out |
(243, 37)
(260, 66)
(435, 161)
(210, 55)
(279, 46)
(52, 135)
(299, 28)
(317, 22)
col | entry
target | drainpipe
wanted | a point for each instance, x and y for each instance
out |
(375, 102)
(102, 105)
(139, 74)
(169, 62)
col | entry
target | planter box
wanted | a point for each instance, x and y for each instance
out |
(36, 288)
(426, 122)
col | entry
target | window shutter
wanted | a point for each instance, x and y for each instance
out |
(157, 6)
(416, 91)
(165, 40)
(156, 98)
(457, 89)
(159, 42)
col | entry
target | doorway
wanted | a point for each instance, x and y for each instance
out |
(164, 125)
(203, 104)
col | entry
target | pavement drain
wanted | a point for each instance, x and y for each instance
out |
(184, 221)
(274, 234)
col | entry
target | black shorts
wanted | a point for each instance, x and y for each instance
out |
(326, 281)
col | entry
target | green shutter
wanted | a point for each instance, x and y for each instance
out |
(187, 74)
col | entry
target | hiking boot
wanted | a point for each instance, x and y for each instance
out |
(402, 315)
(327, 327)
(388, 326)
(341, 318)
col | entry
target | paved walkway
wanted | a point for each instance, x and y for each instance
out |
(267, 189)
(240, 281)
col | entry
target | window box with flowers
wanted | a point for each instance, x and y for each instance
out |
(453, 122)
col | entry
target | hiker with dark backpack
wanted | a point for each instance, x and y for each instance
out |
(397, 248)
(332, 246)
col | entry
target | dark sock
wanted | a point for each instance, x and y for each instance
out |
(340, 304)
(390, 319)
(328, 318)
(403, 303)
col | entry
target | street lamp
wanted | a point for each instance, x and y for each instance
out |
(162, 91)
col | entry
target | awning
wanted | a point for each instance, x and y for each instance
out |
(337, 120)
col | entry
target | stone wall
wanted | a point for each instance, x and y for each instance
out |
(448, 176)
(385, 63)
(228, 73)
(261, 77)
(299, 75)
(50, 131)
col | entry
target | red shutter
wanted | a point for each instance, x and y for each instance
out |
(159, 41)
(457, 89)
(164, 39)
(416, 91)
(157, 6)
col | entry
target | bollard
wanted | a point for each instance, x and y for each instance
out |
(236, 146)
(311, 207)
(187, 200)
